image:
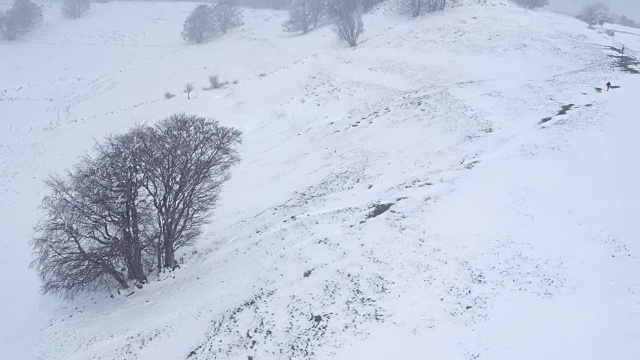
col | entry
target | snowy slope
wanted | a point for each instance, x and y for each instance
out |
(510, 233)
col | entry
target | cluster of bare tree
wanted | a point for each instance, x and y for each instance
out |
(207, 20)
(23, 17)
(596, 14)
(304, 15)
(599, 14)
(345, 15)
(75, 9)
(126, 208)
(417, 7)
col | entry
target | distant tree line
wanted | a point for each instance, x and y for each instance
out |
(75, 9)
(596, 14)
(256, 4)
(599, 14)
(25, 16)
(418, 7)
(531, 4)
(625, 21)
(345, 15)
(266, 4)
(126, 207)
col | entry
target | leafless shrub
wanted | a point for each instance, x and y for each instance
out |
(215, 83)
(188, 89)
(348, 26)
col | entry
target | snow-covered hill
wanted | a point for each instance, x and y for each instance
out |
(457, 187)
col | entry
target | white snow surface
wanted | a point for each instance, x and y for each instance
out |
(508, 238)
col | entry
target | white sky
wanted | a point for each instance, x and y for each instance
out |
(631, 8)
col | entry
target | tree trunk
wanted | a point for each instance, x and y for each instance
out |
(169, 256)
(131, 237)
(136, 247)
(137, 270)
(159, 254)
(119, 279)
(168, 238)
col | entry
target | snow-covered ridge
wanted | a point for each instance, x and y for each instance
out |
(420, 196)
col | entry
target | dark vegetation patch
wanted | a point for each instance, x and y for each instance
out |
(472, 164)
(622, 62)
(626, 64)
(379, 209)
(307, 273)
(416, 183)
(564, 109)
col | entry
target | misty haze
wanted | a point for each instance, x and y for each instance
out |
(630, 8)
(319, 179)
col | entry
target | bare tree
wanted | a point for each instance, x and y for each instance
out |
(227, 15)
(188, 89)
(335, 8)
(73, 252)
(369, 4)
(74, 9)
(348, 25)
(414, 6)
(119, 182)
(532, 4)
(98, 230)
(199, 24)
(187, 159)
(598, 13)
(3, 22)
(435, 5)
(304, 15)
(23, 17)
